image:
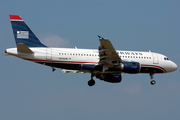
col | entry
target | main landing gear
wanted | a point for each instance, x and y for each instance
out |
(91, 82)
(152, 76)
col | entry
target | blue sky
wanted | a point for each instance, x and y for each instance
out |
(31, 91)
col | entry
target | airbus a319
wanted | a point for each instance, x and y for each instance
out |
(104, 63)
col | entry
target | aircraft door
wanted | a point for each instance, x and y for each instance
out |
(155, 58)
(48, 54)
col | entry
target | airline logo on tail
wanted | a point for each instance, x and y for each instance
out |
(23, 34)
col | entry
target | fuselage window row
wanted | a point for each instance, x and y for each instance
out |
(94, 55)
(74, 54)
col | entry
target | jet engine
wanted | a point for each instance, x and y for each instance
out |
(112, 78)
(128, 67)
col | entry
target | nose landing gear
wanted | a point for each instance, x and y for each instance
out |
(152, 81)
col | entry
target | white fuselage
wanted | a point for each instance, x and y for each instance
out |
(65, 58)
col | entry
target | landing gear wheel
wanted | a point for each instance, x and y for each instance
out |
(152, 76)
(91, 82)
(153, 82)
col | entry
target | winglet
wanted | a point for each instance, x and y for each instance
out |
(100, 38)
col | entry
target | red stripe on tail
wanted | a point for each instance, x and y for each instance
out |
(15, 17)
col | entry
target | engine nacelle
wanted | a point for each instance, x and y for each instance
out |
(131, 67)
(112, 78)
(128, 67)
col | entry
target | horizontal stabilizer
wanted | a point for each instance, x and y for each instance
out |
(22, 48)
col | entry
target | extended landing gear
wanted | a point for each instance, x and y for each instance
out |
(152, 81)
(91, 82)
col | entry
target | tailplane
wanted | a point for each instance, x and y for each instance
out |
(23, 34)
(22, 48)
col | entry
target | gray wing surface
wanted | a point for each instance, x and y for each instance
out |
(107, 53)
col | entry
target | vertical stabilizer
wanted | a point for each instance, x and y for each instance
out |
(22, 33)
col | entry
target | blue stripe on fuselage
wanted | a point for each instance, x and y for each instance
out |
(93, 67)
(70, 66)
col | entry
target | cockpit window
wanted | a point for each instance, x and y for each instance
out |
(165, 58)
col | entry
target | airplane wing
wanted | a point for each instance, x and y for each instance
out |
(107, 54)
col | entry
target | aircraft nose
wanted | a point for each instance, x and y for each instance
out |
(174, 66)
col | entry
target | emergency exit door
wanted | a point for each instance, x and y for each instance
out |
(155, 58)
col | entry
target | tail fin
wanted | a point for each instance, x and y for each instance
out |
(22, 33)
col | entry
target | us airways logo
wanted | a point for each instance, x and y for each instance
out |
(23, 34)
(130, 53)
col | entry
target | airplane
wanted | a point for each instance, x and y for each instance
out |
(104, 63)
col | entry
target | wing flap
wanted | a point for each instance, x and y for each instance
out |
(107, 53)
